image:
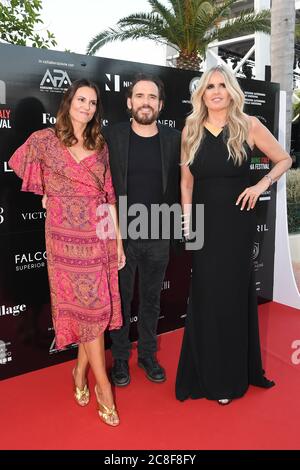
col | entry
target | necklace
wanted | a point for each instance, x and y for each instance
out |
(213, 129)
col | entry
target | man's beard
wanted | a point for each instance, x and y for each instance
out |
(144, 119)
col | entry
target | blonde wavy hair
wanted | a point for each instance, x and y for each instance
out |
(237, 120)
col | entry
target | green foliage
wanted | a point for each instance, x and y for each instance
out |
(293, 200)
(187, 25)
(293, 186)
(18, 19)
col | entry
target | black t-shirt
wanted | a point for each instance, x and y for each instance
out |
(144, 177)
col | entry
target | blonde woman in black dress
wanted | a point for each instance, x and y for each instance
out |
(220, 354)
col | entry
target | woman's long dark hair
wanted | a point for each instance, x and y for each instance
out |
(92, 138)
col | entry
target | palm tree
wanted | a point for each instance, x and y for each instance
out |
(186, 25)
(282, 53)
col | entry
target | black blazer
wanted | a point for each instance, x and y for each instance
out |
(117, 138)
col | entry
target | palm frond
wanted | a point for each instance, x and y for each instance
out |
(138, 18)
(246, 23)
(157, 34)
(212, 19)
(222, 11)
(196, 15)
(162, 11)
(155, 24)
(103, 38)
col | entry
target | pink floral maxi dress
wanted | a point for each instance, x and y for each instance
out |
(82, 267)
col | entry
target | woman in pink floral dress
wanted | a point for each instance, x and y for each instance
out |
(69, 166)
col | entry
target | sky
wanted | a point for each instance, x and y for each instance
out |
(75, 23)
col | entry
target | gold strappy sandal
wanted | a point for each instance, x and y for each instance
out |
(107, 413)
(82, 397)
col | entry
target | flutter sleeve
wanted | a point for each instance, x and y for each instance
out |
(108, 184)
(27, 163)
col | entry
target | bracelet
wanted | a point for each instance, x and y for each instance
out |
(270, 179)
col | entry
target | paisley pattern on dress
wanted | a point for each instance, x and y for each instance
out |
(82, 266)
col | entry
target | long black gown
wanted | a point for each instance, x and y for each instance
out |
(220, 353)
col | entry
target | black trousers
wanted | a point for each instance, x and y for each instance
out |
(151, 258)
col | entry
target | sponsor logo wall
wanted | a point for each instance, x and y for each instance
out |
(31, 87)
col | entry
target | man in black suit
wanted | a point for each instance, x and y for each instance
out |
(144, 161)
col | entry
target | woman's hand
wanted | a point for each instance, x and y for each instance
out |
(120, 250)
(44, 201)
(121, 256)
(250, 196)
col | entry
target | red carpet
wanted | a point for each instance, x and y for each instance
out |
(37, 410)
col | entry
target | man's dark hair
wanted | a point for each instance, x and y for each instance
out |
(147, 78)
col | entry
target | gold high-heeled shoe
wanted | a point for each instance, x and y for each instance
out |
(108, 414)
(82, 397)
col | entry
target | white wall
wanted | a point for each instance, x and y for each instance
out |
(285, 288)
